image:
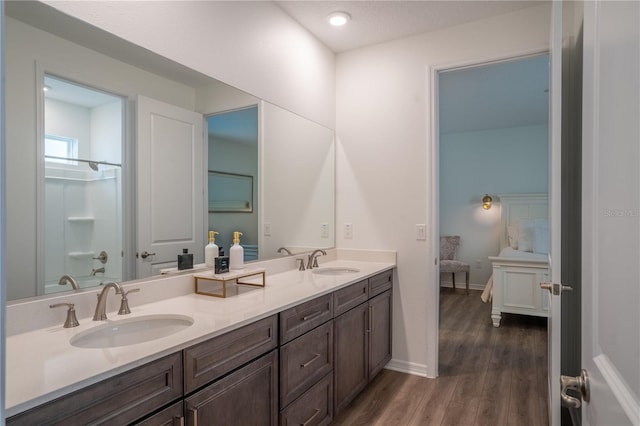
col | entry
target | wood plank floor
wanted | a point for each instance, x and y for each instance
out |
(488, 376)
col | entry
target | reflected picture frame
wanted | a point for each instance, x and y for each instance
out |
(229, 192)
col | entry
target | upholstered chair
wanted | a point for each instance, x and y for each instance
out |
(449, 258)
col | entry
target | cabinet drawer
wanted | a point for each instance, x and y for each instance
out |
(350, 297)
(170, 416)
(305, 360)
(119, 400)
(211, 359)
(313, 408)
(380, 283)
(248, 396)
(298, 320)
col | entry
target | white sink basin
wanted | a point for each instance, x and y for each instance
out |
(335, 270)
(131, 331)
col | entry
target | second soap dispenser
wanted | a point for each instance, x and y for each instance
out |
(211, 250)
(236, 253)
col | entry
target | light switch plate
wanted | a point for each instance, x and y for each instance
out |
(348, 230)
(267, 229)
(421, 232)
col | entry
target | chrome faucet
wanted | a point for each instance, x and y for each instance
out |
(285, 250)
(100, 313)
(69, 279)
(313, 258)
(95, 271)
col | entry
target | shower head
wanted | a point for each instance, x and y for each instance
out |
(94, 166)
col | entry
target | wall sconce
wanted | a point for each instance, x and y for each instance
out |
(486, 202)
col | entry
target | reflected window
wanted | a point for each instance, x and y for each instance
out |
(60, 149)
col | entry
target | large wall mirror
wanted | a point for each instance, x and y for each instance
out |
(75, 153)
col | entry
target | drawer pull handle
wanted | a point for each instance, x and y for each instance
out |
(194, 415)
(306, 364)
(310, 418)
(311, 316)
(370, 323)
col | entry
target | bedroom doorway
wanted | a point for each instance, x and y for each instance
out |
(493, 140)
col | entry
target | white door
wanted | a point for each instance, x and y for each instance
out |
(170, 187)
(555, 133)
(611, 209)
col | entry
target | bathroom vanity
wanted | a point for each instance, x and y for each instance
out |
(270, 355)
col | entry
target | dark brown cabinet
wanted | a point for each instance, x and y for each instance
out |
(248, 396)
(362, 343)
(121, 399)
(298, 367)
(351, 369)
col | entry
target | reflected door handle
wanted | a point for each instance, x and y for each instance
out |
(555, 288)
(146, 254)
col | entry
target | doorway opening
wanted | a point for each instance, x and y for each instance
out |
(492, 160)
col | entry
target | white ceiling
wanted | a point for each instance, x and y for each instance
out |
(379, 21)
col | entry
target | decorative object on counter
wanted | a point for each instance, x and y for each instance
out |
(221, 264)
(236, 253)
(185, 260)
(72, 320)
(211, 250)
(216, 284)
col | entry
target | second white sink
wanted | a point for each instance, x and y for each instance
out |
(131, 331)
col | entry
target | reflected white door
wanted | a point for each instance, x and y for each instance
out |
(555, 217)
(611, 208)
(170, 188)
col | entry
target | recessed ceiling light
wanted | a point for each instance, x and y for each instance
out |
(338, 19)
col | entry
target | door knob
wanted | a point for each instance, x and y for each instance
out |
(146, 254)
(555, 288)
(579, 384)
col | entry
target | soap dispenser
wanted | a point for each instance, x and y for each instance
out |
(211, 250)
(236, 253)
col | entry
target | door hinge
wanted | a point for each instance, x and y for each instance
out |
(555, 288)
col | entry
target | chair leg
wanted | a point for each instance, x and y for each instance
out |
(453, 278)
(467, 282)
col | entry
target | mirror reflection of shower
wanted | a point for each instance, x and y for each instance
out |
(83, 140)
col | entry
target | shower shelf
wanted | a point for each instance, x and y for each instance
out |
(80, 254)
(81, 219)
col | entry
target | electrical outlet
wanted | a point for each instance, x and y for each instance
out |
(267, 229)
(421, 232)
(324, 230)
(348, 230)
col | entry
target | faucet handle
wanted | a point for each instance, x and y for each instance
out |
(124, 303)
(72, 320)
(300, 264)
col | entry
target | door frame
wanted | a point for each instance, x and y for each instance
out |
(433, 188)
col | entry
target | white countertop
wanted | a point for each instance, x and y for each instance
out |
(42, 364)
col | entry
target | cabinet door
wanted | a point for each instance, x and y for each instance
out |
(351, 362)
(248, 396)
(380, 315)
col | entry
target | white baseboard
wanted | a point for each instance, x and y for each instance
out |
(462, 285)
(407, 367)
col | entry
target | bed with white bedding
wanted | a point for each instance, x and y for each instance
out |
(522, 263)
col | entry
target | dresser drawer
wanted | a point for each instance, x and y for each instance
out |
(304, 361)
(211, 359)
(350, 297)
(380, 283)
(313, 408)
(298, 320)
(119, 400)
